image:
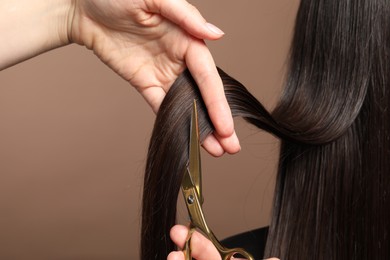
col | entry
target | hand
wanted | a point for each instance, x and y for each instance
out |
(149, 43)
(201, 248)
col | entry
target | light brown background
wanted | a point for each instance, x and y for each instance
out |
(73, 141)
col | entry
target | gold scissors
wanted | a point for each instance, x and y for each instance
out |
(192, 191)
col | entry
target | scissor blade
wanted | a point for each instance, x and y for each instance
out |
(195, 164)
(187, 182)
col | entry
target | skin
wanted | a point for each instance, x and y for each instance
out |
(201, 248)
(147, 42)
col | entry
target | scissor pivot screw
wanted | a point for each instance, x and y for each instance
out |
(190, 199)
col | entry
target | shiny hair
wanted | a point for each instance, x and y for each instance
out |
(333, 186)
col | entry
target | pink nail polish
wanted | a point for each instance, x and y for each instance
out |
(214, 29)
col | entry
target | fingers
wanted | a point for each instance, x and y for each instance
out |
(186, 16)
(154, 97)
(212, 146)
(176, 255)
(202, 67)
(201, 248)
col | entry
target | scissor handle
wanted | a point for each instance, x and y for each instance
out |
(187, 245)
(228, 253)
(225, 253)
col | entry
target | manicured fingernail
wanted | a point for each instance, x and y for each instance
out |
(230, 144)
(214, 29)
(212, 145)
(236, 141)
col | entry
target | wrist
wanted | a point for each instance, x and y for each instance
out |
(31, 27)
(59, 17)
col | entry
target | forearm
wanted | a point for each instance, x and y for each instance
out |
(31, 27)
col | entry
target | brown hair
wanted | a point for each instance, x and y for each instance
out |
(333, 185)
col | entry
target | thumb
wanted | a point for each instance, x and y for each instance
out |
(201, 247)
(186, 16)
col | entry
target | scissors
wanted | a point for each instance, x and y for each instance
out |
(192, 191)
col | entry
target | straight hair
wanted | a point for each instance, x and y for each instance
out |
(333, 186)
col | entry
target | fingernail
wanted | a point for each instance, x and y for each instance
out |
(214, 29)
(212, 146)
(235, 138)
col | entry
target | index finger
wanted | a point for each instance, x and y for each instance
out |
(202, 67)
(186, 16)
